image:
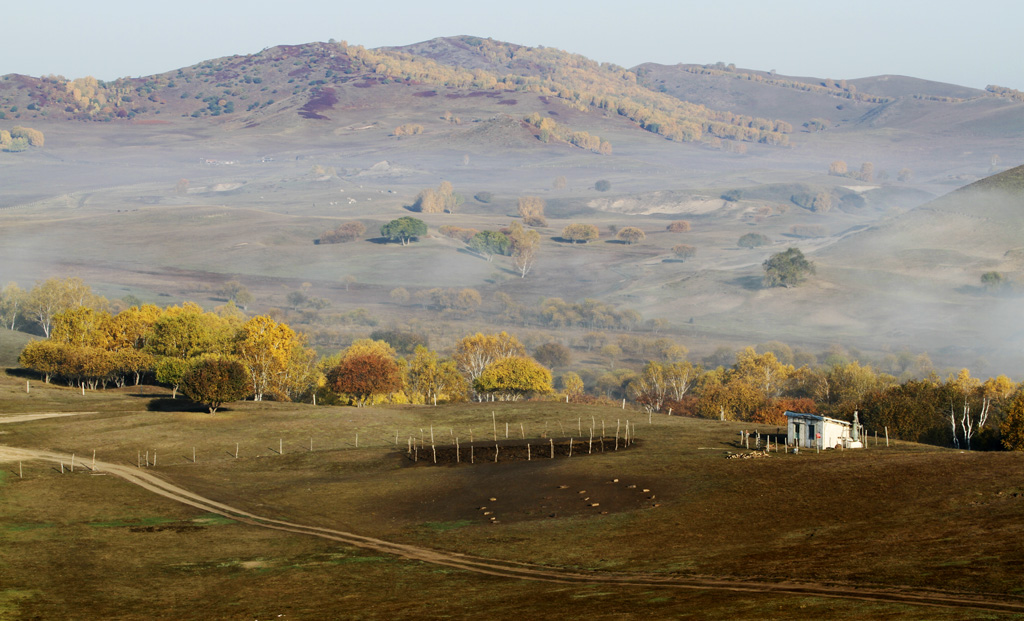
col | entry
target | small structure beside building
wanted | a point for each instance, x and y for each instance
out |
(816, 431)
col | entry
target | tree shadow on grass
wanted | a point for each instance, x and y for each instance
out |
(750, 283)
(166, 404)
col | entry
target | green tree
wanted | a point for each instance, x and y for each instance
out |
(511, 378)
(215, 381)
(489, 243)
(786, 269)
(992, 280)
(753, 240)
(171, 371)
(405, 229)
(553, 355)
(602, 185)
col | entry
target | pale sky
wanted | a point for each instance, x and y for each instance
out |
(973, 43)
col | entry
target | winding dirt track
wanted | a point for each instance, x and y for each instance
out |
(510, 569)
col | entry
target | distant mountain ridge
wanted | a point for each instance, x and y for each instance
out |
(686, 103)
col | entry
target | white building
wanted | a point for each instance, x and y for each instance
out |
(810, 430)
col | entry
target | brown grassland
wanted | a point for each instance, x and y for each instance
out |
(840, 534)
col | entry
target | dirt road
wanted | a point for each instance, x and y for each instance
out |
(509, 569)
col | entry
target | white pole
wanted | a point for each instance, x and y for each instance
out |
(94, 459)
(280, 446)
(72, 462)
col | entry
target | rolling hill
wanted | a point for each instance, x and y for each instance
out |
(276, 147)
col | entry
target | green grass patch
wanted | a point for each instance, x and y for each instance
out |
(441, 527)
(17, 528)
(150, 521)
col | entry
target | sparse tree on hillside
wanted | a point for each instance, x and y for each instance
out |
(405, 229)
(602, 185)
(236, 292)
(489, 243)
(684, 251)
(904, 175)
(867, 172)
(553, 355)
(753, 240)
(215, 382)
(786, 269)
(992, 280)
(525, 246)
(838, 168)
(678, 226)
(531, 207)
(559, 183)
(580, 233)
(631, 234)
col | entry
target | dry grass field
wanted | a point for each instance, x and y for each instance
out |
(842, 534)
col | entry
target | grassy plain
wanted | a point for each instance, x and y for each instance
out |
(907, 519)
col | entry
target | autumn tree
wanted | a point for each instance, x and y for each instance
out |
(525, 246)
(1013, 425)
(265, 347)
(559, 183)
(52, 296)
(684, 251)
(12, 302)
(678, 226)
(343, 233)
(663, 382)
(363, 376)
(43, 357)
(580, 233)
(510, 379)
(572, 384)
(431, 376)
(405, 230)
(474, 353)
(786, 269)
(187, 332)
(531, 209)
(630, 234)
(838, 168)
(215, 381)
